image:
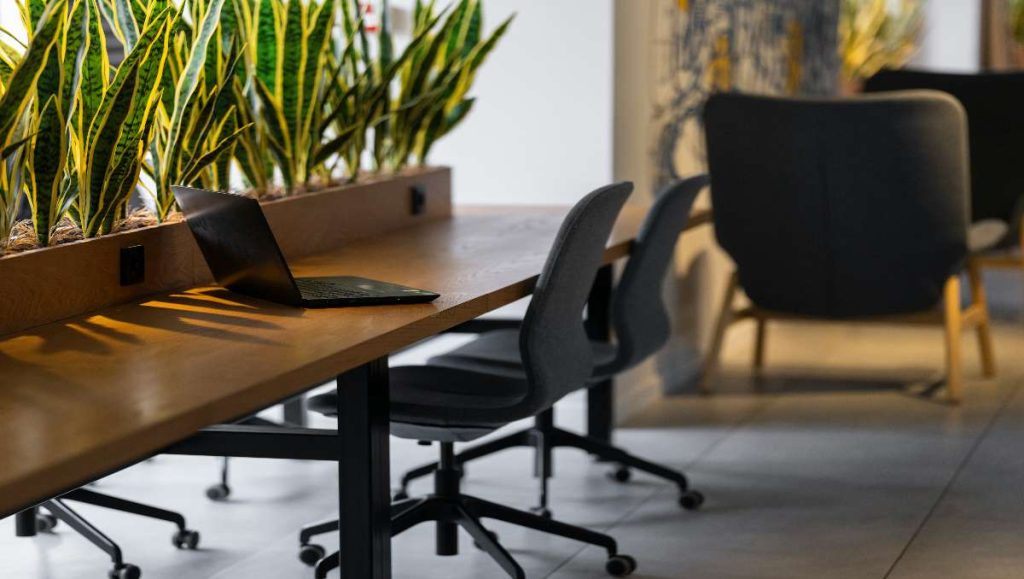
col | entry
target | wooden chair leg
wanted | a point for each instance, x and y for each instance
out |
(759, 343)
(711, 360)
(1022, 244)
(953, 326)
(983, 323)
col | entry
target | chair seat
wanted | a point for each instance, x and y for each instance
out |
(498, 351)
(987, 235)
(443, 403)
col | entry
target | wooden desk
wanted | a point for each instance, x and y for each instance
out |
(86, 396)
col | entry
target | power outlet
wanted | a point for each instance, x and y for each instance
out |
(133, 265)
(418, 197)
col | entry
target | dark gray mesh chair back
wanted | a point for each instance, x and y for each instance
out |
(840, 207)
(555, 349)
(995, 122)
(639, 316)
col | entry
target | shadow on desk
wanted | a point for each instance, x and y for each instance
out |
(215, 313)
(228, 301)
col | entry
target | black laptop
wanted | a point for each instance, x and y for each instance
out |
(243, 255)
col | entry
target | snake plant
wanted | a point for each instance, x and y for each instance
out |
(46, 186)
(873, 35)
(438, 77)
(252, 153)
(262, 81)
(11, 166)
(289, 41)
(108, 145)
(31, 147)
(221, 70)
(359, 90)
(196, 128)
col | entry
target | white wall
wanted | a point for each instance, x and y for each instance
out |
(541, 129)
(9, 18)
(952, 36)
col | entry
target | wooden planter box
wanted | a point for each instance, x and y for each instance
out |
(45, 285)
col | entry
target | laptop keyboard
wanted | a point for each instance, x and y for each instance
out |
(316, 289)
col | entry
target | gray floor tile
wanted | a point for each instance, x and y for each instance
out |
(825, 468)
(975, 530)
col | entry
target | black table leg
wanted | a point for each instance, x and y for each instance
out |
(25, 522)
(295, 411)
(600, 396)
(364, 472)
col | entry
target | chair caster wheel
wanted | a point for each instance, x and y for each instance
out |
(620, 565)
(45, 522)
(621, 474)
(126, 571)
(218, 492)
(400, 495)
(492, 535)
(311, 554)
(691, 500)
(186, 539)
(541, 512)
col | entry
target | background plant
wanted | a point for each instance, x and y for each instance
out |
(284, 87)
(1017, 20)
(36, 171)
(196, 126)
(360, 90)
(873, 35)
(289, 42)
(46, 185)
(437, 78)
(252, 152)
(109, 142)
(220, 69)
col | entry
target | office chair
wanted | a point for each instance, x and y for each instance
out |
(995, 129)
(32, 521)
(641, 327)
(448, 405)
(845, 210)
(294, 411)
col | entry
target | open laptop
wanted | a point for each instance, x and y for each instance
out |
(243, 255)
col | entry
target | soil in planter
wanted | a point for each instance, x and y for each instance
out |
(275, 192)
(317, 184)
(23, 236)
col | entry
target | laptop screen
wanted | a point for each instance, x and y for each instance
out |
(238, 244)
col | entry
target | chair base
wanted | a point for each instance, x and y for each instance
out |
(31, 521)
(294, 416)
(449, 509)
(544, 437)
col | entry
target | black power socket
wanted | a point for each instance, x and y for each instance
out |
(418, 197)
(133, 265)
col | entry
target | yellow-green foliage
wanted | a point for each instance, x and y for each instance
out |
(359, 90)
(19, 76)
(45, 184)
(1017, 20)
(288, 44)
(197, 127)
(267, 83)
(873, 35)
(109, 144)
(436, 80)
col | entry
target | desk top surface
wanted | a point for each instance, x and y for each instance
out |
(84, 396)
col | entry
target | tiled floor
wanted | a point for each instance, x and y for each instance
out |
(829, 467)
